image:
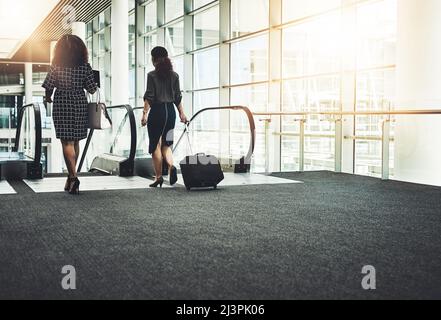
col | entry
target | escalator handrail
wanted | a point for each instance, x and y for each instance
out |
(247, 158)
(130, 114)
(38, 130)
(251, 122)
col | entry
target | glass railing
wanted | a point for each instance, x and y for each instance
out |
(11, 79)
(373, 159)
(8, 118)
(8, 125)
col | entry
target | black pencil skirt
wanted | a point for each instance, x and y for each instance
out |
(161, 124)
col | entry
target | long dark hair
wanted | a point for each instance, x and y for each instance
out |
(162, 62)
(70, 52)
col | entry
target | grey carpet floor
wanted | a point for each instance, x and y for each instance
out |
(299, 241)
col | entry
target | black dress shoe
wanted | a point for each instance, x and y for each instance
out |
(173, 175)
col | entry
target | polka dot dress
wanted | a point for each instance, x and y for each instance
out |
(70, 112)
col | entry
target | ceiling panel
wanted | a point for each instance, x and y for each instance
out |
(19, 19)
(36, 47)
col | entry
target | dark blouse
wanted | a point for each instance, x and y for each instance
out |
(163, 90)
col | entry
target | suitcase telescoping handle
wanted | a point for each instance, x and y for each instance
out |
(187, 133)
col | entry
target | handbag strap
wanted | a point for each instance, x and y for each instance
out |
(98, 96)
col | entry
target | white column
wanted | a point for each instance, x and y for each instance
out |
(120, 52)
(28, 100)
(52, 50)
(417, 138)
(54, 151)
(79, 30)
(187, 80)
(28, 83)
(141, 56)
(348, 83)
(275, 87)
(224, 76)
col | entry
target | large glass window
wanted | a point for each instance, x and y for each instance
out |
(376, 34)
(132, 35)
(200, 3)
(174, 39)
(173, 9)
(206, 28)
(322, 64)
(178, 65)
(132, 61)
(132, 4)
(203, 61)
(311, 94)
(206, 127)
(297, 9)
(151, 17)
(150, 42)
(248, 16)
(312, 47)
(101, 21)
(256, 98)
(375, 80)
(249, 60)
(98, 41)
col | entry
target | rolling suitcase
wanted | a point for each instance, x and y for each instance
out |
(200, 170)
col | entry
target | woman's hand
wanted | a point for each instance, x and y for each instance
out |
(144, 119)
(183, 117)
(48, 99)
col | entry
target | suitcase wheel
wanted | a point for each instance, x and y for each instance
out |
(215, 187)
(188, 188)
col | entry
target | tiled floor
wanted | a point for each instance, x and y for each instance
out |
(5, 188)
(96, 183)
(234, 179)
(89, 184)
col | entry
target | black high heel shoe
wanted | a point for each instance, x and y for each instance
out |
(67, 185)
(158, 182)
(75, 187)
(173, 175)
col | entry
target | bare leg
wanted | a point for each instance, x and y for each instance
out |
(168, 156)
(77, 151)
(67, 184)
(157, 161)
(70, 157)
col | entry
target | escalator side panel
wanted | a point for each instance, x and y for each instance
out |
(19, 170)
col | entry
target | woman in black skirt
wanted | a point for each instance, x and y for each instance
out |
(70, 74)
(162, 94)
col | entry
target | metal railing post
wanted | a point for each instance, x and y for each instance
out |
(385, 142)
(338, 144)
(267, 144)
(302, 145)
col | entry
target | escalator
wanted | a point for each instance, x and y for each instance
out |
(144, 163)
(112, 151)
(22, 160)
